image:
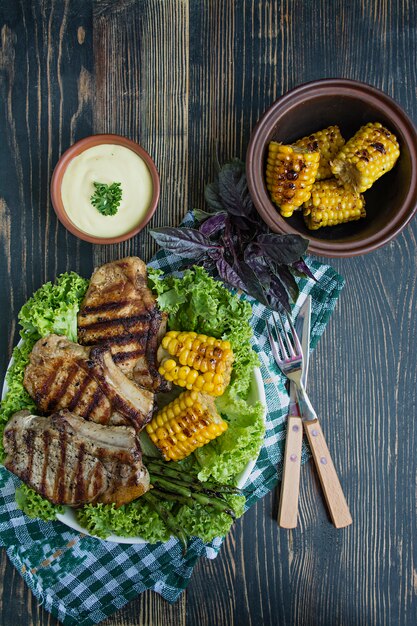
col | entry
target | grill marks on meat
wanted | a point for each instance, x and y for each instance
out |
(71, 461)
(64, 375)
(120, 312)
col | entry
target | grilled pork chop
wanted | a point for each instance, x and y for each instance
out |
(120, 311)
(71, 461)
(64, 375)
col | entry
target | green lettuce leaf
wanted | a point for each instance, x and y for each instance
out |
(130, 520)
(225, 457)
(138, 519)
(33, 505)
(53, 308)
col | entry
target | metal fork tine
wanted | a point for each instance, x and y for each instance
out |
(286, 335)
(285, 353)
(295, 337)
(272, 342)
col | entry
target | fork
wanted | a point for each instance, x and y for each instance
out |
(291, 366)
(290, 363)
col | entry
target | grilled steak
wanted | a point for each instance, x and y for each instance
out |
(120, 311)
(71, 461)
(64, 375)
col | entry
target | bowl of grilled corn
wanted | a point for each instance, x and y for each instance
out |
(335, 161)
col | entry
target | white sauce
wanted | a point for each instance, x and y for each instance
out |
(106, 163)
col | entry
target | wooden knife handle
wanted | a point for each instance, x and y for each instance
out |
(290, 487)
(338, 508)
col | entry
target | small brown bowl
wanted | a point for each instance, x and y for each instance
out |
(75, 150)
(392, 200)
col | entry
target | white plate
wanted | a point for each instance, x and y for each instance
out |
(257, 393)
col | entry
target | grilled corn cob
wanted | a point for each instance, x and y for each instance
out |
(185, 424)
(332, 203)
(369, 154)
(328, 142)
(196, 361)
(290, 174)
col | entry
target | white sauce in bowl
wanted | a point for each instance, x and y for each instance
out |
(106, 163)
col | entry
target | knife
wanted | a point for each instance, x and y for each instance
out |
(290, 486)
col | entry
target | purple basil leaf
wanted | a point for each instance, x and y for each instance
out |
(284, 274)
(200, 215)
(258, 265)
(252, 284)
(215, 253)
(228, 274)
(253, 250)
(231, 239)
(263, 274)
(186, 242)
(301, 267)
(278, 296)
(282, 249)
(212, 197)
(233, 189)
(213, 224)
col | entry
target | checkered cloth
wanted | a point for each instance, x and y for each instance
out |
(82, 580)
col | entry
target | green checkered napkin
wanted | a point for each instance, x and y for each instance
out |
(83, 580)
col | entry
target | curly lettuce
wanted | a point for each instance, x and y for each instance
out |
(138, 519)
(53, 308)
(198, 302)
(225, 458)
(33, 505)
(130, 520)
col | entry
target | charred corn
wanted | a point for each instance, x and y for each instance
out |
(328, 142)
(196, 361)
(185, 424)
(371, 152)
(332, 203)
(290, 174)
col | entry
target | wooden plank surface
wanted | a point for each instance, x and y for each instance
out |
(183, 77)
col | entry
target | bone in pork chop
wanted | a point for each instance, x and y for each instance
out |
(120, 311)
(64, 375)
(71, 461)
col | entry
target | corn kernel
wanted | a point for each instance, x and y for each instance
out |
(192, 376)
(172, 346)
(183, 356)
(199, 382)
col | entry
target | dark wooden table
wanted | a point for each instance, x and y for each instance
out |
(179, 76)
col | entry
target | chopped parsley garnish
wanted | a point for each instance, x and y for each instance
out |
(106, 198)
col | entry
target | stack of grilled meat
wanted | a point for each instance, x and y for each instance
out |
(95, 396)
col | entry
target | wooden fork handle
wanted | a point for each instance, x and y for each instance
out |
(338, 508)
(290, 487)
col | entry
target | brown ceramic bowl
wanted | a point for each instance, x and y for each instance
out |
(75, 150)
(392, 200)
